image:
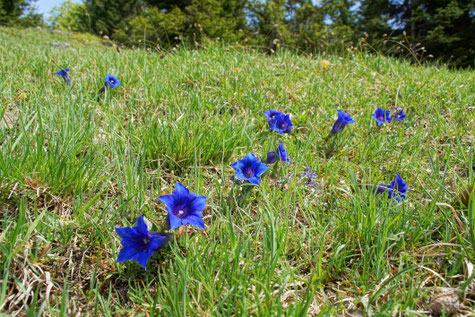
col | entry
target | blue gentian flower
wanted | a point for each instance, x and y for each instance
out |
(399, 115)
(341, 122)
(380, 188)
(398, 188)
(271, 157)
(236, 180)
(184, 207)
(280, 154)
(381, 116)
(111, 81)
(281, 123)
(139, 244)
(64, 73)
(249, 169)
(270, 115)
(283, 153)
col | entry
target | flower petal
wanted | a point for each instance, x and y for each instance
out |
(261, 168)
(127, 254)
(195, 221)
(337, 126)
(341, 122)
(240, 174)
(141, 226)
(249, 158)
(142, 257)
(283, 153)
(128, 233)
(174, 221)
(137, 243)
(271, 157)
(271, 114)
(254, 180)
(159, 240)
(196, 205)
(168, 201)
(398, 188)
(181, 192)
(238, 165)
(380, 188)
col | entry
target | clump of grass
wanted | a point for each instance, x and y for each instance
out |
(73, 167)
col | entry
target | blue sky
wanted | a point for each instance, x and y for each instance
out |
(44, 6)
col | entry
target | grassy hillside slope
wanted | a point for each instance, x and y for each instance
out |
(75, 164)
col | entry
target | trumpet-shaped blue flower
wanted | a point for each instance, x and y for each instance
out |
(64, 73)
(280, 154)
(249, 169)
(381, 116)
(111, 81)
(380, 188)
(270, 115)
(281, 123)
(138, 244)
(399, 115)
(341, 122)
(398, 188)
(184, 207)
(271, 157)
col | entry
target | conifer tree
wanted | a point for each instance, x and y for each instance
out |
(167, 5)
(445, 28)
(107, 16)
(306, 24)
(18, 12)
(342, 31)
(374, 18)
(211, 19)
(270, 21)
(69, 16)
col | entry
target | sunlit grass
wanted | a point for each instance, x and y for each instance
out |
(74, 164)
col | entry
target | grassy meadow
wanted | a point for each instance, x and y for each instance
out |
(75, 164)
